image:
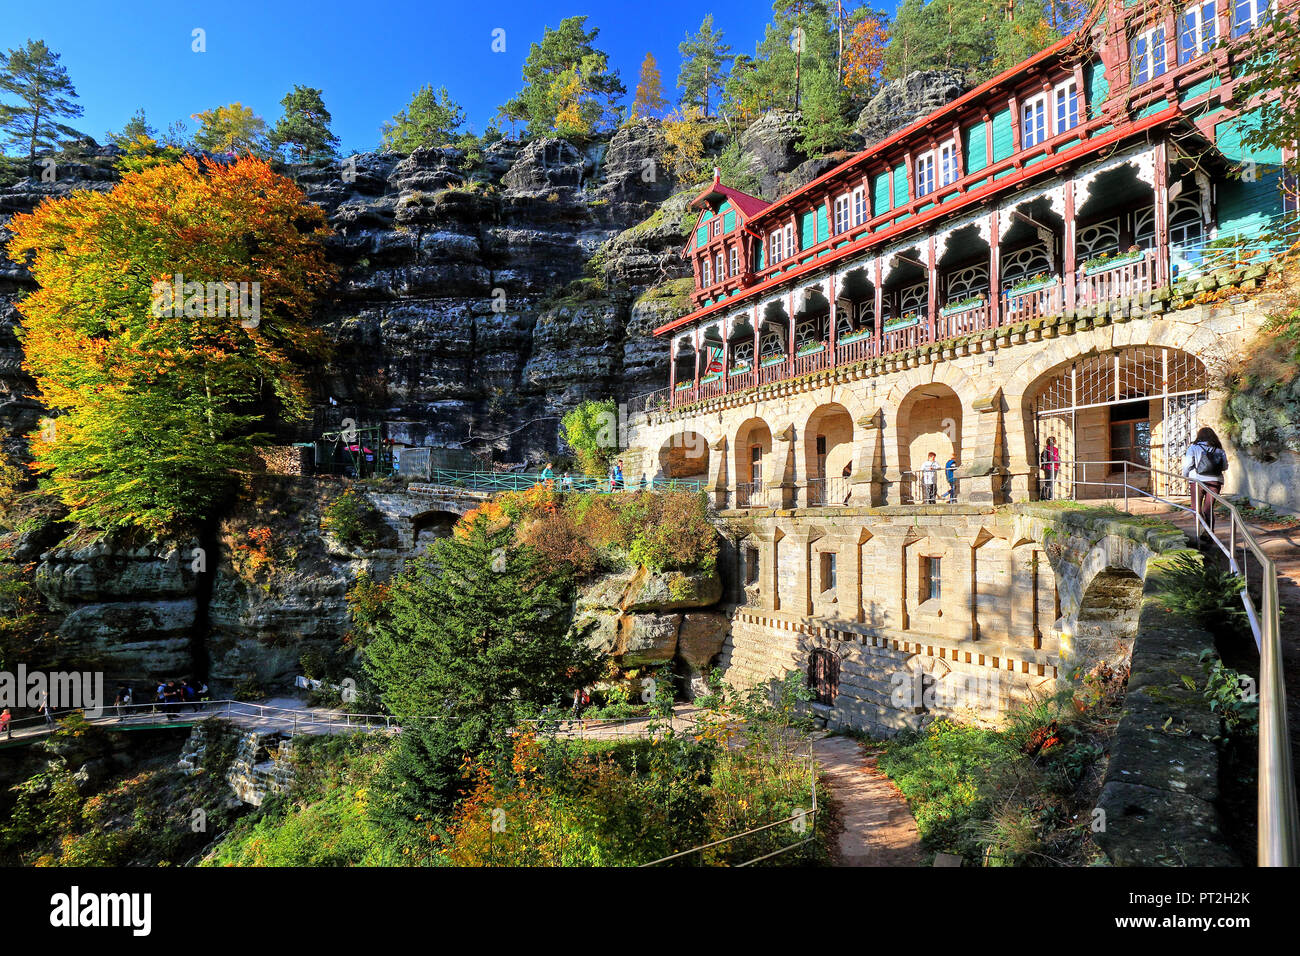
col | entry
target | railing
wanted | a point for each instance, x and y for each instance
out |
(443, 481)
(956, 324)
(774, 372)
(1279, 829)
(1032, 304)
(813, 361)
(657, 401)
(711, 388)
(925, 488)
(847, 353)
(828, 491)
(749, 494)
(1112, 281)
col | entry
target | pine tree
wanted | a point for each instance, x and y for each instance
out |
(429, 120)
(134, 128)
(822, 120)
(477, 631)
(567, 61)
(704, 61)
(32, 73)
(304, 129)
(650, 100)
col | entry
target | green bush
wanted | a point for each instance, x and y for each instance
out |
(353, 520)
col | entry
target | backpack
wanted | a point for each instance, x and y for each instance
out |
(1209, 462)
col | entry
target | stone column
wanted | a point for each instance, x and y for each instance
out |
(1068, 254)
(867, 482)
(981, 475)
(717, 481)
(781, 490)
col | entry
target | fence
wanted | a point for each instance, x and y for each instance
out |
(492, 482)
(1279, 829)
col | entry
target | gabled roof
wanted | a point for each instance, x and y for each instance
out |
(748, 205)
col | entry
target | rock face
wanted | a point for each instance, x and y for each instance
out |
(903, 101)
(642, 619)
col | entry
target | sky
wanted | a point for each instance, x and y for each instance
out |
(368, 56)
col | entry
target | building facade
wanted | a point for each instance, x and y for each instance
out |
(1056, 266)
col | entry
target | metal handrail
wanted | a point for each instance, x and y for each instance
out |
(1279, 829)
(522, 481)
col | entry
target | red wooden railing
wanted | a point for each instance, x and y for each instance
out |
(848, 352)
(1035, 304)
(1118, 281)
(908, 337)
(812, 361)
(774, 372)
(956, 324)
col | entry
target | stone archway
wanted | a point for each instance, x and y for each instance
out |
(929, 421)
(685, 455)
(753, 456)
(828, 453)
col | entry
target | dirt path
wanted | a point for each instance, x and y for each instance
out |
(878, 826)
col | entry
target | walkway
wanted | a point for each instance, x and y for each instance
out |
(878, 828)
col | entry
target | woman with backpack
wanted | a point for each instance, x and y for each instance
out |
(1204, 464)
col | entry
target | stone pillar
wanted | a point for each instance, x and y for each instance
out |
(719, 473)
(867, 482)
(981, 477)
(780, 490)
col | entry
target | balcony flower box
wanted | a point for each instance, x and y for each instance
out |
(906, 322)
(810, 348)
(772, 360)
(855, 337)
(710, 378)
(965, 305)
(1106, 263)
(740, 369)
(683, 386)
(1034, 284)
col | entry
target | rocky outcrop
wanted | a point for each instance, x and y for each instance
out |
(770, 148)
(903, 101)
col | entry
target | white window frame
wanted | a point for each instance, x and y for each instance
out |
(720, 270)
(1035, 104)
(859, 205)
(948, 171)
(1259, 9)
(923, 173)
(706, 274)
(843, 207)
(716, 229)
(776, 247)
(733, 257)
(1145, 63)
(1066, 94)
(1203, 32)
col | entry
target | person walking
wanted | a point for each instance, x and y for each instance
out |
(1050, 462)
(950, 472)
(45, 710)
(548, 476)
(5, 718)
(930, 478)
(618, 475)
(566, 483)
(1204, 463)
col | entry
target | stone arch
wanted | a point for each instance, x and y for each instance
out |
(752, 457)
(428, 526)
(1107, 619)
(684, 454)
(929, 420)
(827, 441)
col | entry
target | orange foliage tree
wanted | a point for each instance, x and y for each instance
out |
(170, 312)
(864, 54)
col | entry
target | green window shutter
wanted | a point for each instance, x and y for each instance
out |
(974, 147)
(1002, 141)
(1098, 88)
(806, 223)
(823, 230)
(900, 185)
(728, 221)
(701, 236)
(880, 193)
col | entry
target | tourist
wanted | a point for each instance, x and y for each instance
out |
(930, 478)
(1204, 464)
(189, 694)
(5, 718)
(45, 709)
(120, 700)
(950, 472)
(1050, 462)
(845, 474)
(618, 475)
(612, 470)
(548, 476)
(581, 699)
(566, 483)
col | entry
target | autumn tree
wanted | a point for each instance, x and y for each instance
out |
(33, 75)
(132, 130)
(704, 65)
(864, 53)
(171, 315)
(232, 129)
(566, 72)
(304, 129)
(430, 119)
(649, 100)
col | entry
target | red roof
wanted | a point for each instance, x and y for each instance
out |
(747, 204)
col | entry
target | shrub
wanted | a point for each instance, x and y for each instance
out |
(591, 430)
(353, 520)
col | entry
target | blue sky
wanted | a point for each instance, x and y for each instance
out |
(368, 56)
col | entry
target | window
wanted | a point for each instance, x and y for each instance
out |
(925, 174)
(1198, 28)
(1033, 121)
(1130, 433)
(706, 274)
(931, 589)
(734, 265)
(1148, 55)
(717, 225)
(1247, 14)
(828, 571)
(720, 273)
(859, 206)
(947, 164)
(751, 564)
(824, 676)
(1066, 113)
(782, 243)
(842, 214)
(756, 464)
